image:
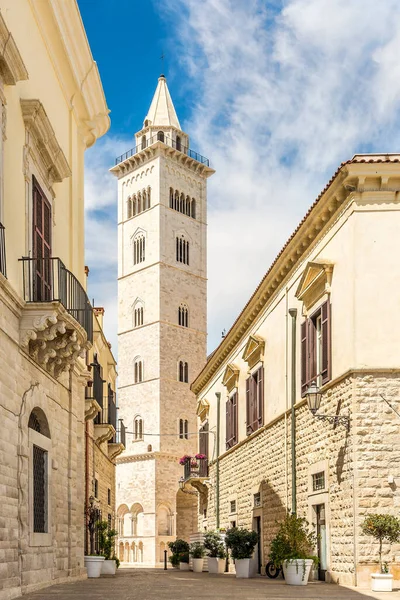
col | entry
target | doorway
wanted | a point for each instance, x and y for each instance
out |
(321, 544)
(257, 528)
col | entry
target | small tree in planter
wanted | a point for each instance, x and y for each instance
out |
(179, 549)
(292, 549)
(197, 552)
(242, 543)
(106, 545)
(216, 552)
(384, 528)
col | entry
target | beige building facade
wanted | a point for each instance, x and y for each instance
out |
(162, 212)
(52, 109)
(326, 312)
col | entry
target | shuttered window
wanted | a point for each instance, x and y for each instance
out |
(232, 421)
(203, 439)
(255, 401)
(316, 348)
(41, 244)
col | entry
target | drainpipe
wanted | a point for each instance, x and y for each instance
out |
(293, 314)
(218, 395)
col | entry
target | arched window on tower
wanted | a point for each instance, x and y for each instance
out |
(134, 206)
(182, 204)
(193, 211)
(183, 429)
(183, 315)
(187, 206)
(138, 428)
(129, 208)
(143, 142)
(183, 374)
(160, 136)
(176, 200)
(139, 203)
(148, 197)
(144, 199)
(138, 315)
(139, 248)
(178, 143)
(171, 198)
(182, 250)
(138, 370)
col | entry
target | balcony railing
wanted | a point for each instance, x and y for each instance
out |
(195, 468)
(168, 142)
(108, 413)
(48, 280)
(121, 433)
(3, 269)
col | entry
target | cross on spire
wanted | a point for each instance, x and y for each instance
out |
(162, 57)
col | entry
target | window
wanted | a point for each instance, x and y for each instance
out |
(160, 136)
(193, 211)
(318, 481)
(138, 316)
(109, 497)
(96, 488)
(178, 143)
(183, 429)
(182, 250)
(316, 348)
(149, 197)
(232, 421)
(257, 500)
(138, 428)
(139, 249)
(40, 444)
(203, 439)
(138, 368)
(183, 372)
(129, 208)
(255, 400)
(39, 489)
(232, 506)
(187, 206)
(183, 315)
(42, 227)
(183, 204)
(143, 142)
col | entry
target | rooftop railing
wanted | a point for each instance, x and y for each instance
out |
(168, 142)
(48, 280)
(3, 269)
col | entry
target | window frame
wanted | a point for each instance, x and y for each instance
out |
(232, 412)
(255, 400)
(310, 370)
(41, 441)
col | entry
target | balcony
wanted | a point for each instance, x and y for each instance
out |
(57, 322)
(168, 142)
(105, 425)
(117, 444)
(3, 269)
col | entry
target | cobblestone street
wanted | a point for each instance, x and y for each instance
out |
(153, 584)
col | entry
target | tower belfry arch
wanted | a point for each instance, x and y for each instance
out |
(166, 271)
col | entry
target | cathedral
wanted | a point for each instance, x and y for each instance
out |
(162, 328)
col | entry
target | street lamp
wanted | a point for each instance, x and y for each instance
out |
(313, 396)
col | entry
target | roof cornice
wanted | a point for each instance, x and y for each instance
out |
(64, 35)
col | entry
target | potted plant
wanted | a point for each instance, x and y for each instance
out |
(215, 551)
(92, 561)
(292, 549)
(241, 542)
(184, 459)
(106, 547)
(197, 552)
(384, 528)
(179, 549)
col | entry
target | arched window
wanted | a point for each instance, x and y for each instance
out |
(183, 315)
(129, 208)
(160, 136)
(40, 446)
(193, 211)
(187, 206)
(182, 250)
(139, 203)
(138, 428)
(182, 204)
(149, 197)
(183, 429)
(143, 142)
(178, 143)
(139, 248)
(138, 315)
(183, 372)
(171, 198)
(138, 368)
(176, 200)
(134, 206)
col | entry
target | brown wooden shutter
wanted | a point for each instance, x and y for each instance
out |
(304, 357)
(228, 424)
(326, 341)
(234, 419)
(312, 351)
(41, 244)
(260, 396)
(249, 412)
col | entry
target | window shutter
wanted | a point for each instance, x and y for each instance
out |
(234, 419)
(228, 424)
(248, 406)
(326, 341)
(260, 396)
(304, 357)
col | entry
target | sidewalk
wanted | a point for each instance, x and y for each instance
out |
(156, 584)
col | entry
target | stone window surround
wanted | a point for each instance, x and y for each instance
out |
(230, 500)
(37, 439)
(318, 467)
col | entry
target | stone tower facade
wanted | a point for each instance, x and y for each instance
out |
(162, 296)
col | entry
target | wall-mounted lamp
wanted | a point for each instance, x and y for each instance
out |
(313, 396)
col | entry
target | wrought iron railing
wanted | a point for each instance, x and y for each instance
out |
(108, 413)
(121, 433)
(195, 467)
(48, 280)
(3, 269)
(169, 142)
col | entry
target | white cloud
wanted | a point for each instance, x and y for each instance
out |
(283, 96)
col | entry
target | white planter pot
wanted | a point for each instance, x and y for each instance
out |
(242, 566)
(108, 567)
(93, 565)
(381, 582)
(216, 565)
(297, 571)
(184, 566)
(198, 565)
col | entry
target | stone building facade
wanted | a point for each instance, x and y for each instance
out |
(52, 108)
(162, 213)
(325, 313)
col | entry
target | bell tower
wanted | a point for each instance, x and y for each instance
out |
(162, 304)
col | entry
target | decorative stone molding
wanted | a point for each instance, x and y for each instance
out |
(51, 337)
(115, 450)
(44, 138)
(315, 282)
(12, 68)
(231, 377)
(92, 408)
(254, 351)
(103, 432)
(203, 408)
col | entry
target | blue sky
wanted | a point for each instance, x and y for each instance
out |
(276, 93)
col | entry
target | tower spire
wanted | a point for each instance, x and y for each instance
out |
(162, 111)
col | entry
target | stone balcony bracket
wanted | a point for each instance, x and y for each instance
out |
(200, 484)
(115, 450)
(92, 408)
(52, 337)
(103, 432)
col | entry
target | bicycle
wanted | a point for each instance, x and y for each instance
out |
(272, 571)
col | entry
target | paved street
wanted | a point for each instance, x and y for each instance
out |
(153, 584)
